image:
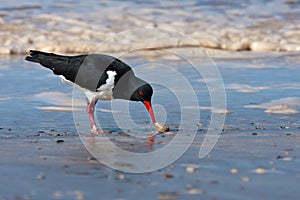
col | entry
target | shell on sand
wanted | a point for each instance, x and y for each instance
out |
(161, 128)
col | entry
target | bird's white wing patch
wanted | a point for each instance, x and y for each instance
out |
(104, 92)
(109, 85)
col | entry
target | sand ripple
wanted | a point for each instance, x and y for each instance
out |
(286, 105)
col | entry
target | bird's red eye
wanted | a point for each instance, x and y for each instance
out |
(141, 93)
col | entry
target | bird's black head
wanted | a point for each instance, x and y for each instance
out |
(142, 93)
(135, 89)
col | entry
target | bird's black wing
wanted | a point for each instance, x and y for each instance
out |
(87, 71)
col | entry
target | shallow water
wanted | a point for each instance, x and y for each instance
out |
(253, 85)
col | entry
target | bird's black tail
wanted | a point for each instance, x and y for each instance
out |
(45, 59)
(38, 56)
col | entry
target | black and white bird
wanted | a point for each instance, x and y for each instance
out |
(100, 76)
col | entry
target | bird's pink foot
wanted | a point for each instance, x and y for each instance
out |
(96, 130)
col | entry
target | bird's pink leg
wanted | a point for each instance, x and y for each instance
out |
(90, 108)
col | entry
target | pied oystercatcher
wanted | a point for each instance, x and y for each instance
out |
(100, 77)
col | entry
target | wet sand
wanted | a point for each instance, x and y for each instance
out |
(43, 169)
(256, 157)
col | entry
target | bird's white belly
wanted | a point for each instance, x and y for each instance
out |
(103, 95)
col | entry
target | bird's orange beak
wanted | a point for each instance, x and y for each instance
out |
(149, 108)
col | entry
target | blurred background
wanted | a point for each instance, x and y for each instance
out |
(76, 26)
